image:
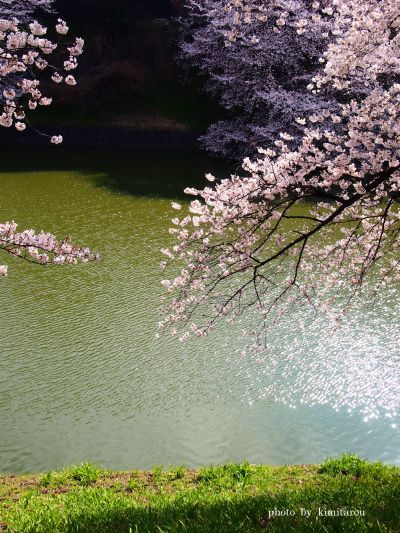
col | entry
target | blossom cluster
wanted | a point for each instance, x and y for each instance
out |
(25, 51)
(42, 248)
(309, 223)
(257, 58)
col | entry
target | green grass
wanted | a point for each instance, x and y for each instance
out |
(228, 498)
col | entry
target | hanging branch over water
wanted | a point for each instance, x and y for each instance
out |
(310, 223)
(24, 52)
(42, 248)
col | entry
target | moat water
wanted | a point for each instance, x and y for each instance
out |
(83, 377)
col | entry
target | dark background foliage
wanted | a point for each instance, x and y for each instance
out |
(129, 45)
(129, 69)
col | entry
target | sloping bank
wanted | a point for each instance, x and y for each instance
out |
(347, 494)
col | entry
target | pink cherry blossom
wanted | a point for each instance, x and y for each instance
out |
(42, 248)
(62, 27)
(70, 80)
(25, 51)
(56, 139)
(308, 222)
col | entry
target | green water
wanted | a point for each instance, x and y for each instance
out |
(82, 376)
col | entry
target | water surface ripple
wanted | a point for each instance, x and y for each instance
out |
(82, 376)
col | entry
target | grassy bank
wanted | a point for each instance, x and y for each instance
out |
(227, 498)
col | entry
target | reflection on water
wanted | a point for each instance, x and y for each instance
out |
(82, 375)
(355, 366)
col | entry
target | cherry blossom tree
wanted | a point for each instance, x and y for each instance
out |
(24, 52)
(257, 58)
(23, 10)
(313, 224)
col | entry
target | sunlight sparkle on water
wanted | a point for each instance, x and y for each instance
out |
(356, 367)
